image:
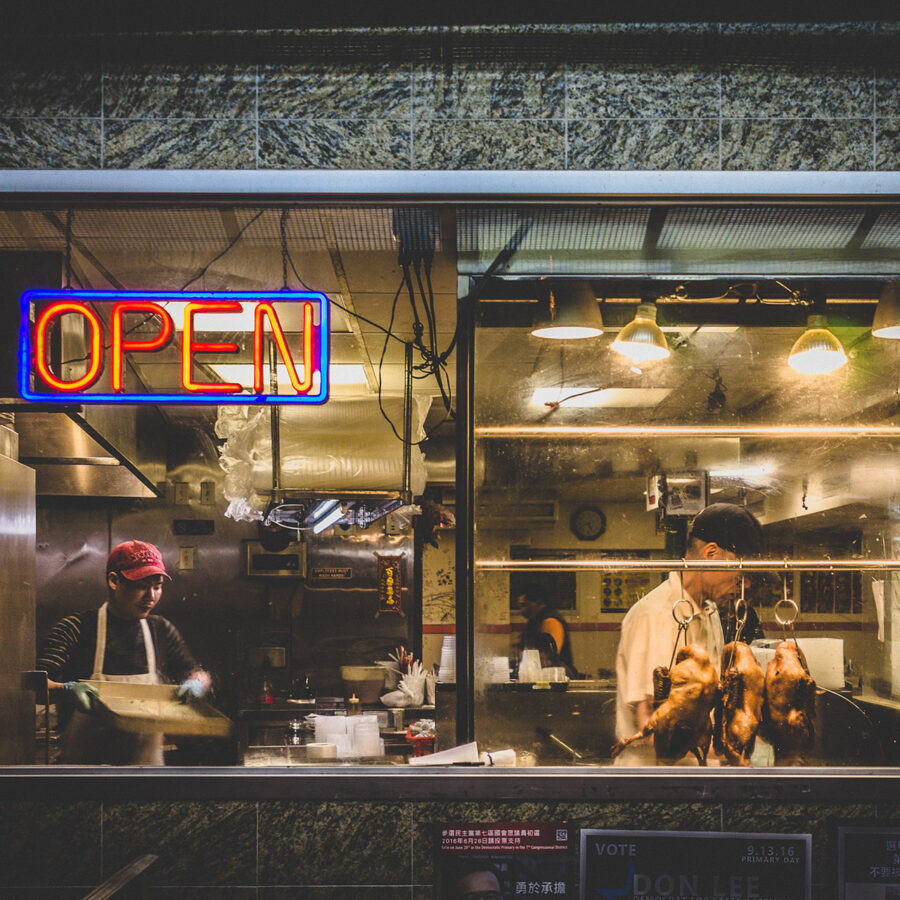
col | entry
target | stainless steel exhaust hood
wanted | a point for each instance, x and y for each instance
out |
(94, 452)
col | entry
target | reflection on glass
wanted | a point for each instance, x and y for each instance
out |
(562, 427)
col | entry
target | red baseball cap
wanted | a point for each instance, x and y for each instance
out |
(135, 560)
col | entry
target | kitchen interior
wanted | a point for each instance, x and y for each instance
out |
(581, 456)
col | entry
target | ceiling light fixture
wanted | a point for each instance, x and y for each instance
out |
(642, 340)
(886, 323)
(572, 314)
(817, 350)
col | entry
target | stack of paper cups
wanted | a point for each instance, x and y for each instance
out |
(366, 738)
(498, 670)
(447, 670)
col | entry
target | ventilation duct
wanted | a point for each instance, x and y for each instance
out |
(341, 447)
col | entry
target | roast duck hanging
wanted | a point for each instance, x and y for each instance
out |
(779, 706)
(684, 696)
(739, 713)
(789, 708)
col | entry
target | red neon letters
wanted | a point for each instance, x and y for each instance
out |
(40, 346)
(121, 347)
(120, 344)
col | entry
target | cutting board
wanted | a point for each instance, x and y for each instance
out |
(155, 708)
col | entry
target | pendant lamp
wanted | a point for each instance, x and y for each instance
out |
(573, 313)
(886, 323)
(817, 350)
(642, 340)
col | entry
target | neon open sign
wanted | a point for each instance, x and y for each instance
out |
(116, 326)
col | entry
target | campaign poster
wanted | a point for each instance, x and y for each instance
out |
(503, 861)
(688, 865)
(868, 862)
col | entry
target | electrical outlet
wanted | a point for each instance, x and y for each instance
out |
(207, 493)
(394, 524)
(181, 493)
(185, 557)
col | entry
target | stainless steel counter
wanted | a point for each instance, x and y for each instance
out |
(64, 783)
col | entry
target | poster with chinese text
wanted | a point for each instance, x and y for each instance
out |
(503, 861)
(868, 863)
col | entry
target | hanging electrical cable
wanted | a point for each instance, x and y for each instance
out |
(70, 215)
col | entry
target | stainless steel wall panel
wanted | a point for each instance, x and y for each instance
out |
(17, 591)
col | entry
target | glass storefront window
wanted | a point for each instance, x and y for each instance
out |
(589, 469)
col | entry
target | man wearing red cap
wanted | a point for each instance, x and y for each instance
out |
(121, 641)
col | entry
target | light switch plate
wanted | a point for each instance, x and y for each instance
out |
(185, 557)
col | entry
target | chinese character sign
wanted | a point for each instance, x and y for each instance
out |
(390, 584)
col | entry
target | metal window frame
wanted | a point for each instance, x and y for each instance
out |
(27, 187)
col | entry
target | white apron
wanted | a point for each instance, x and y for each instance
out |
(89, 740)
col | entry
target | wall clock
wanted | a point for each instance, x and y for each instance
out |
(588, 523)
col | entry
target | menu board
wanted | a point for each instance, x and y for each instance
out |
(689, 865)
(503, 860)
(868, 863)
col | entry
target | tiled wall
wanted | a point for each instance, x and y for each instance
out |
(653, 114)
(287, 850)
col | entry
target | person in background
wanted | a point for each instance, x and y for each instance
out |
(722, 531)
(122, 642)
(544, 620)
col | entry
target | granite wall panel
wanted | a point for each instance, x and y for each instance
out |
(202, 844)
(635, 92)
(362, 844)
(607, 113)
(50, 92)
(280, 850)
(179, 144)
(179, 92)
(761, 92)
(44, 843)
(489, 144)
(685, 144)
(798, 144)
(334, 144)
(472, 92)
(62, 143)
(323, 92)
(887, 144)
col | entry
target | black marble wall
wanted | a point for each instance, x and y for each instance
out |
(287, 850)
(830, 114)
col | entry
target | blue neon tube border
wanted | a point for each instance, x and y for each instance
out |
(242, 399)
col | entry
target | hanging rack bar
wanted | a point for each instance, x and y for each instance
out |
(707, 431)
(668, 565)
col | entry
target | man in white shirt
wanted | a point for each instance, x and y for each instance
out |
(722, 531)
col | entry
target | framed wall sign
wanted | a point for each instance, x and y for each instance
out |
(694, 865)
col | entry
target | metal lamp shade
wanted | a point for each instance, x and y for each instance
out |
(817, 350)
(573, 313)
(642, 340)
(886, 323)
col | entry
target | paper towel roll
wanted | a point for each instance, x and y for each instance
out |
(499, 758)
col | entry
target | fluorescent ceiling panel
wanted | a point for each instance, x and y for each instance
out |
(242, 374)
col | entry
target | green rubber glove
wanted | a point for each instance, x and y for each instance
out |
(86, 696)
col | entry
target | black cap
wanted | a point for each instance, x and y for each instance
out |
(730, 526)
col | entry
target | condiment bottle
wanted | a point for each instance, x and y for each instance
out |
(354, 707)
